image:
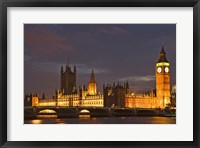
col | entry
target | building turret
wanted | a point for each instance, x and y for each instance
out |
(162, 57)
(92, 78)
(92, 86)
(127, 85)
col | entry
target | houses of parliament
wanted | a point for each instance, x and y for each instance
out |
(114, 95)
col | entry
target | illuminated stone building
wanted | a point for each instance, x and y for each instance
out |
(162, 97)
(89, 96)
(68, 95)
(85, 97)
(47, 102)
(114, 95)
(67, 100)
(144, 100)
(162, 71)
(31, 100)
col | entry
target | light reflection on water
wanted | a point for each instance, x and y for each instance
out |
(106, 120)
(84, 116)
(46, 116)
(37, 121)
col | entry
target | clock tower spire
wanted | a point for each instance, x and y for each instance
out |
(162, 73)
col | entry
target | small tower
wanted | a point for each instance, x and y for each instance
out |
(162, 72)
(92, 86)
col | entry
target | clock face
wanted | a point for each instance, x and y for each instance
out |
(159, 69)
(166, 69)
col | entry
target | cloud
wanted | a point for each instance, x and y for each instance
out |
(54, 67)
(113, 30)
(146, 78)
(84, 69)
(47, 67)
(45, 40)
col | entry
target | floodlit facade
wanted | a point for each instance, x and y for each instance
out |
(68, 95)
(146, 100)
(114, 95)
(162, 97)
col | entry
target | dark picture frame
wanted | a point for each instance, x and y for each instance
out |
(99, 3)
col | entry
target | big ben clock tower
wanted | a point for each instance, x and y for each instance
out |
(163, 79)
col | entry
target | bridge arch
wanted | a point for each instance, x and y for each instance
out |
(84, 111)
(47, 111)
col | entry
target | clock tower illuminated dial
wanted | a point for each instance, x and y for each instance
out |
(159, 69)
(166, 69)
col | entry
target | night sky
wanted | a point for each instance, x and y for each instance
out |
(116, 52)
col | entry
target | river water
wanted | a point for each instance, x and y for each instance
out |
(105, 120)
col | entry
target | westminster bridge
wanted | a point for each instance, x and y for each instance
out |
(80, 111)
(75, 112)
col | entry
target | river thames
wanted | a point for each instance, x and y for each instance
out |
(105, 120)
